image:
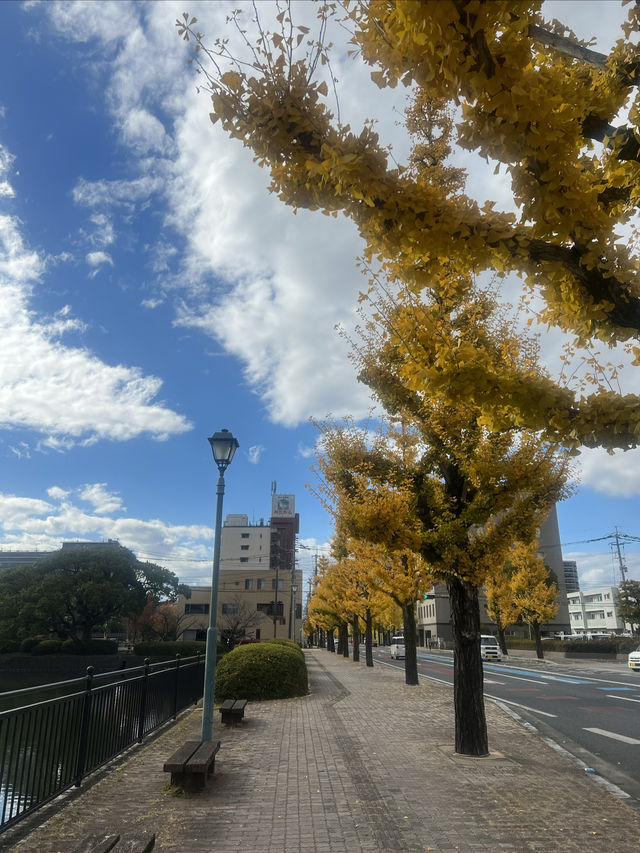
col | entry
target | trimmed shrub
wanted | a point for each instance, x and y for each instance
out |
(185, 648)
(89, 647)
(47, 647)
(9, 646)
(262, 671)
(288, 644)
(27, 644)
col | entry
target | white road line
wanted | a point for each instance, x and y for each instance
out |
(613, 736)
(626, 698)
(519, 705)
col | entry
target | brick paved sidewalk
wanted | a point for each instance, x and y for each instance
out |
(364, 763)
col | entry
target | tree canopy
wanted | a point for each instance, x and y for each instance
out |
(79, 589)
(530, 98)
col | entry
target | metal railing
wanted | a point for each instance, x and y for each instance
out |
(49, 744)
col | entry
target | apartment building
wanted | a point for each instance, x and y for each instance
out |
(595, 610)
(260, 589)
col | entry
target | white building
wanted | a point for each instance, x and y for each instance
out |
(595, 610)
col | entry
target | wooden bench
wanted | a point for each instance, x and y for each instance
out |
(192, 764)
(116, 844)
(232, 711)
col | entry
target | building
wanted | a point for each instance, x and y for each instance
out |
(571, 580)
(595, 610)
(433, 614)
(260, 589)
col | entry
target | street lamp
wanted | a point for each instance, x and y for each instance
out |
(223, 445)
(294, 589)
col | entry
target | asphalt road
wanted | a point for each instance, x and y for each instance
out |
(591, 709)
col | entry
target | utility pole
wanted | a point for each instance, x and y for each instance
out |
(621, 562)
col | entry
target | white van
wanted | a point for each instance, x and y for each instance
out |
(489, 648)
(397, 647)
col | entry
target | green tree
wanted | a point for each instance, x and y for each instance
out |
(629, 603)
(80, 589)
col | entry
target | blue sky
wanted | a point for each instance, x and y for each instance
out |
(153, 292)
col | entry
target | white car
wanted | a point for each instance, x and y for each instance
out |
(634, 660)
(397, 647)
(489, 648)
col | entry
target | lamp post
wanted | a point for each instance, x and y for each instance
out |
(223, 445)
(294, 589)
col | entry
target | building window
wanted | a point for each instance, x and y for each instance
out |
(261, 584)
(244, 547)
(196, 608)
(244, 535)
(248, 583)
(244, 559)
(280, 583)
(229, 609)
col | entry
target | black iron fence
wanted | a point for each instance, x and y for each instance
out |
(61, 732)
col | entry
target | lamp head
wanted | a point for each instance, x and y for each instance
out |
(224, 445)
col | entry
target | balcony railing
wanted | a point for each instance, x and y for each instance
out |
(61, 732)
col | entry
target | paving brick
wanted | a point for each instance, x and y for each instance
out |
(343, 769)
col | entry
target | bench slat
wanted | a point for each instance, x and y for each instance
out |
(239, 704)
(97, 844)
(203, 758)
(227, 705)
(176, 763)
(136, 844)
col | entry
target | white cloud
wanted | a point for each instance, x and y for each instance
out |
(115, 193)
(56, 493)
(32, 524)
(254, 453)
(6, 190)
(617, 475)
(102, 500)
(66, 394)
(96, 259)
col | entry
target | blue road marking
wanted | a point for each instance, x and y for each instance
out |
(613, 689)
(528, 672)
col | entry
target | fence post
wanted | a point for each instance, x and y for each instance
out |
(143, 700)
(84, 728)
(175, 687)
(198, 681)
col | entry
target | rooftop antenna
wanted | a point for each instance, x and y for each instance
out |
(274, 487)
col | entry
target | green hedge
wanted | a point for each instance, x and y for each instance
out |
(262, 671)
(89, 647)
(288, 644)
(521, 643)
(610, 645)
(184, 648)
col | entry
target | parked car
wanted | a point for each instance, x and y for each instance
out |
(634, 660)
(489, 648)
(397, 647)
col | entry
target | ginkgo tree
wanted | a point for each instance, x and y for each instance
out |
(534, 593)
(533, 100)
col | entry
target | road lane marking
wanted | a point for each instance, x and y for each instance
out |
(613, 736)
(519, 705)
(616, 688)
(626, 698)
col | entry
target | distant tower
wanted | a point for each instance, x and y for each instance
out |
(571, 579)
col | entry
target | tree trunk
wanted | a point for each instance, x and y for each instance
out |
(356, 639)
(538, 639)
(344, 639)
(468, 699)
(330, 642)
(410, 651)
(368, 647)
(502, 640)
